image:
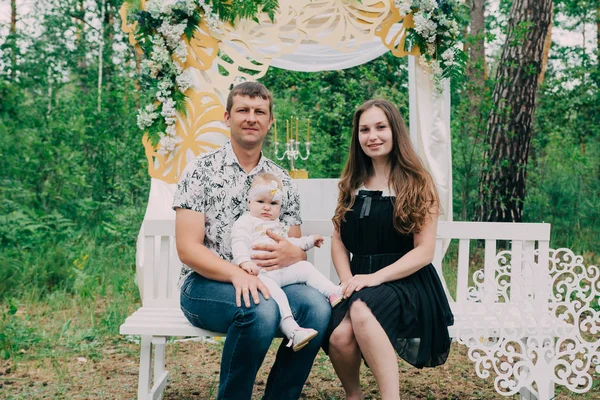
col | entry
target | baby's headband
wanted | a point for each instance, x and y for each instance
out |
(271, 188)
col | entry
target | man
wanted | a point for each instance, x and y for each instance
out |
(220, 296)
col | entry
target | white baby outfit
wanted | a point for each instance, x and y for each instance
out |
(248, 231)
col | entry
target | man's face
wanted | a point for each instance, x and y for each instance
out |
(249, 121)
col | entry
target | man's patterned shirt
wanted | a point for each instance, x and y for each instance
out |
(215, 184)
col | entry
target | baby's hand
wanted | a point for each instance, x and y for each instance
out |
(318, 240)
(250, 267)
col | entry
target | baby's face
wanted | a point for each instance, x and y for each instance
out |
(264, 207)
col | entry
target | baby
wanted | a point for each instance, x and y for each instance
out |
(264, 203)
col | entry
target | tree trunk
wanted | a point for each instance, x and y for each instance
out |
(476, 66)
(502, 184)
(13, 39)
(472, 109)
(547, 45)
(100, 56)
(598, 30)
(109, 21)
(80, 41)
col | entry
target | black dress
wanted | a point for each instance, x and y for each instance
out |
(413, 311)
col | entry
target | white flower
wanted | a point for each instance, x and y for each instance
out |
(443, 21)
(430, 49)
(168, 108)
(190, 7)
(181, 51)
(167, 144)
(212, 19)
(160, 54)
(154, 8)
(403, 6)
(172, 33)
(178, 68)
(170, 131)
(432, 67)
(165, 84)
(428, 5)
(448, 56)
(184, 82)
(146, 116)
(423, 25)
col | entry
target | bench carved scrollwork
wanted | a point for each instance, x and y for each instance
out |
(530, 343)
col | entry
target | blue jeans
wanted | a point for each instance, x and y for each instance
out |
(211, 305)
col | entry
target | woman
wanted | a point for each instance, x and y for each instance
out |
(386, 217)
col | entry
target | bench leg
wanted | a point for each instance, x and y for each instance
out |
(526, 394)
(160, 374)
(545, 391)
(144, 378)
(541, 373)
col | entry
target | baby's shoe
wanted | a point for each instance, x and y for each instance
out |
(335, 299)
(301, 337)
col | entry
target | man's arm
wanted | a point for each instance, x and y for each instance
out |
(189, 231)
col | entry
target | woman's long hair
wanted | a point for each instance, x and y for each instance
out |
(415, 192)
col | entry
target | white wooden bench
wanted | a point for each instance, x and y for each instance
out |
(507, 310)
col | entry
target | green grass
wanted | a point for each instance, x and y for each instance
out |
(86, 288)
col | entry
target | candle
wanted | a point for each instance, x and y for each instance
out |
(297, 120)
(308, 131)
(287, 130)
(275, 127)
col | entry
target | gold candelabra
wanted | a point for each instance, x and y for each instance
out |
(292, 145)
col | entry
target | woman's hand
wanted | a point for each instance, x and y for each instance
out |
(357, 282)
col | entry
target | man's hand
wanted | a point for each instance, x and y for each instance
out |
(250, 268)
(277, 255)
(247, 285)
(318, 240)
(358, 282)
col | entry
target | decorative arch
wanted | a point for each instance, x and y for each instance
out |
(304, 35)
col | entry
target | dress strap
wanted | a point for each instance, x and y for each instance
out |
(366, 208)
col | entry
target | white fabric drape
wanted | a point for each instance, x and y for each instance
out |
(430, 132)
(310, 57)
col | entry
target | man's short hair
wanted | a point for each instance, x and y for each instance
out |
(252, 90)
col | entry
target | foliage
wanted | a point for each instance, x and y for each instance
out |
(74, 182)
(564, 188)
(436, 34)
(162, 32)
(329, 100)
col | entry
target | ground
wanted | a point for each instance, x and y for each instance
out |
(112, 374)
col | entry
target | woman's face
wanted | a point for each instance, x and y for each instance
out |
(375, 133)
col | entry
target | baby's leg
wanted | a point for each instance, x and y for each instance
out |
(298, 337)
(305, 272)
(277, 294)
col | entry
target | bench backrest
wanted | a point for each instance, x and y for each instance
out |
(504, 275)
(499, 277)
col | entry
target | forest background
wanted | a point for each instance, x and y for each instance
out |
(74, 181)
